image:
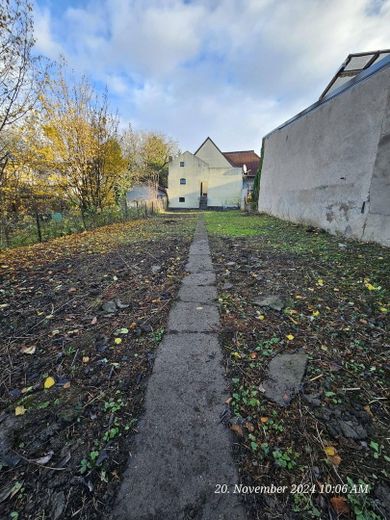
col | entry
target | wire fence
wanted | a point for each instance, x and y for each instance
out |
(42, 227)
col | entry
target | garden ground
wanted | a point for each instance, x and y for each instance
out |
(81, 318)
(335, 299)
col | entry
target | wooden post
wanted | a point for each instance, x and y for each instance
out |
(38, 223)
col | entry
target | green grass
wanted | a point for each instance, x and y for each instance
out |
(280, 235)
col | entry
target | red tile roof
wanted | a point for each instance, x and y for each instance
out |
(248, 157)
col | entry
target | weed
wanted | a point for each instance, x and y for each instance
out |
(302, 503)
(285, 459)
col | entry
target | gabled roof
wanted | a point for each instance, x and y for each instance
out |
(205, 141)
(241, 157)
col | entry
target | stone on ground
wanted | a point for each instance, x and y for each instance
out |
(284, 377)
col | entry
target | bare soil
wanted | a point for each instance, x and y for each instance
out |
(63, 449)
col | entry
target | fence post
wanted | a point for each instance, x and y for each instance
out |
(38, 223)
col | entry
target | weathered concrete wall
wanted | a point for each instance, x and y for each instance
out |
(330, 166)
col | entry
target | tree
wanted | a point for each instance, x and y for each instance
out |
(19, 70)
(84, 143)
(147, 155)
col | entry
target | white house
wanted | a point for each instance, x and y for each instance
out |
(210, 178)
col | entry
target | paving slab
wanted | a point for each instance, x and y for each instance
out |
(193, 317)
(200, 248)
(199, 264)
(199, 279)
(182, 450)
(198, 293)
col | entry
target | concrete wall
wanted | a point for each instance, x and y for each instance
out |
(330, 166)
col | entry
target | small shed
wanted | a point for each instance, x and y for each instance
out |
(141, 194)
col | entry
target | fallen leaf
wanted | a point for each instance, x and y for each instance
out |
(330, 451)
(118, 341)
(336, 460)
(261, 317)
(85, 359)
(67, 385)
(28, 350)
(20, 410)
(253, 355)
(263, 420)
(249, 426)
(340, 505)
(94, 320)
(45, 459)
(229, 400)
(290, 337)
(316, 313)
(320, 282)
(49, 382)
(236, 428)
(368, 410)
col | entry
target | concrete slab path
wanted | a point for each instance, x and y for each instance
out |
(182, 451)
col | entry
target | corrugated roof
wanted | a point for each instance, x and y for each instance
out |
(241, 157)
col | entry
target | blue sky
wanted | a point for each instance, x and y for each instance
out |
(230, 69)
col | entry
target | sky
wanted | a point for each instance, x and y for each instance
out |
(229, 69)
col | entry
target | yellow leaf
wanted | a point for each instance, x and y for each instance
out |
(85, 359)
(20, 410)
(118, 341)
(236, 355)
(330, 451)
(261, 317)
(49, 382)
(316, 313)
(263, 420)
(383, 309)
(320, 282)
(290, 337)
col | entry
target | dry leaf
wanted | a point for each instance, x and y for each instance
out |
(28, 350)
(336, 460)
(45, 459)
(340, 505)
(49, 382)
(236, 428)
(94, 320)
(368, 410)
(67, 385)
(253, 355)
(85, 359)
(229, 400)
(263, 420)
(249, 426)
(20, 410)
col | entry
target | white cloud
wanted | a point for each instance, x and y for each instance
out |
(225, 68)
(45, 43)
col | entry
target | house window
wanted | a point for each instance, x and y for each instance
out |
(181, 164)
(182, 199)
(183, 181)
